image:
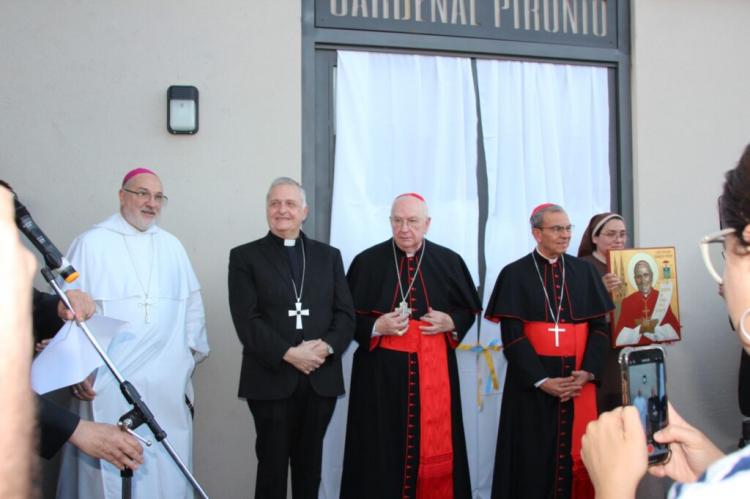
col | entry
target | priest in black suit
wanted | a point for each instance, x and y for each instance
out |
(551, 307)
(415, 301)
(293, 314)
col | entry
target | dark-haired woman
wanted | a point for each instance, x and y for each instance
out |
(605, 232)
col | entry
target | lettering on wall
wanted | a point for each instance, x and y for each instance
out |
(576, 22)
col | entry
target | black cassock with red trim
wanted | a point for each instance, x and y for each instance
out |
(388, 399)
(537, 454)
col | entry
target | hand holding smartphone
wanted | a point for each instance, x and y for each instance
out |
(644, 385)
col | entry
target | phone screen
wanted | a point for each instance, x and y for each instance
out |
(645, 388)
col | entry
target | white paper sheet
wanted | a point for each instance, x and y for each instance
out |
(70, 356)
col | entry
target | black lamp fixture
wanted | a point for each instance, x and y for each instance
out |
(182, 109)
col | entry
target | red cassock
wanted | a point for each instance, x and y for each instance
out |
(635, 309)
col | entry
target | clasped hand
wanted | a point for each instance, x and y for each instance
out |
(395, 323)
(440, 322)
(392, 323)
(308, 355)
(566, 388)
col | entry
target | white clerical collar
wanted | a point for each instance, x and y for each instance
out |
(552, 261)
(290, 242)
(412, 254)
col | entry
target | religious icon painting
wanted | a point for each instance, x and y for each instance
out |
(646, 304)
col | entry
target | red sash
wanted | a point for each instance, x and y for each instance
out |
(571, 343)
(435, 476)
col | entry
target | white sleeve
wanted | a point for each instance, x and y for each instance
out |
(195, 326)
(539, 383)
(727, 477)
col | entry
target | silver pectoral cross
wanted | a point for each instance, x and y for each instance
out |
(145, 304)
(403, 309)
(557, 330)
(298, 312)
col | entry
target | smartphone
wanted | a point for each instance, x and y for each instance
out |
(644, 385)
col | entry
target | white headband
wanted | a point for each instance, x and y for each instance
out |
(604, 221)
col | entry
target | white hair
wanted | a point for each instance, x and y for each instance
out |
(287, 181)
(423, 204)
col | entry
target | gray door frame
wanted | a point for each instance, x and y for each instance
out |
(319, 47)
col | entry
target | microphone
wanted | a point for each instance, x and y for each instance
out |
(52, 256)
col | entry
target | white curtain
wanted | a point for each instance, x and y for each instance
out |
(408, 123)
(546, 139)
(404, 123)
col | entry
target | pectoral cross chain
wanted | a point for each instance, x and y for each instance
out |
(299, 312)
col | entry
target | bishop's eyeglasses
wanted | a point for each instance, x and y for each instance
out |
(559, 229)
(146, 195)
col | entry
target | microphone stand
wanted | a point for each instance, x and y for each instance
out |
(140, 413)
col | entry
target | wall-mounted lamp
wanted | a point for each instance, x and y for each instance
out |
(182, 109)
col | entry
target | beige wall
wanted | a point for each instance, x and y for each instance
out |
(691, 121)
(83, 100)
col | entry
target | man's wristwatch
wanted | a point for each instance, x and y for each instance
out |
(330, 349)
(591, 377)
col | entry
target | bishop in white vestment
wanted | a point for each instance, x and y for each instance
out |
(139, 273)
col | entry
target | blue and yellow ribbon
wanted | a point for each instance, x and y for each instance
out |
(492, 383)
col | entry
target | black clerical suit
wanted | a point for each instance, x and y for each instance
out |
(291, 410)
(56, 424)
